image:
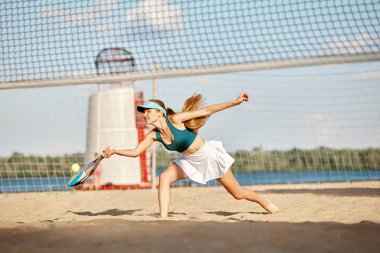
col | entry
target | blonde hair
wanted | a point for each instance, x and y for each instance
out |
(193, 103)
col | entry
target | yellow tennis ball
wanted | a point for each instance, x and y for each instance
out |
(75, 167)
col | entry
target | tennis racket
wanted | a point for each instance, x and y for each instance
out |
(79, 177)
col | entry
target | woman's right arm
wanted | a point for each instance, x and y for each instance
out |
(149, 139)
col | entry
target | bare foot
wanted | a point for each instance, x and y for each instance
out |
(271, 208)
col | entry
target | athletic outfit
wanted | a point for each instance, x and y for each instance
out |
(211, 161)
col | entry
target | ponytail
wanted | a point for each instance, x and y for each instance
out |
(194, 103)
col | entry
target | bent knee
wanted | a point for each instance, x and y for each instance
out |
(238, 195)
(164, 179)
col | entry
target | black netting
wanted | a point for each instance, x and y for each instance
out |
(61, 39)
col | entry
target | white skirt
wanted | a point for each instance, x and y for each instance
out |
(210, 162)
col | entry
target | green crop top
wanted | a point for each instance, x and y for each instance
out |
(182, 138)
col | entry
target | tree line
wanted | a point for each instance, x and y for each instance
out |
(19, 165)
(321, 158)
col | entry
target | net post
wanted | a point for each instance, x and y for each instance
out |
(154, 153)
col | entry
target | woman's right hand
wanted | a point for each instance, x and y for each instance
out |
(108, 152)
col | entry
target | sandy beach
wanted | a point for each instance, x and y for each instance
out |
(327, 217)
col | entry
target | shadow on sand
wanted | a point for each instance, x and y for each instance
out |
(111, 212)
(352, 192)
(118, 235)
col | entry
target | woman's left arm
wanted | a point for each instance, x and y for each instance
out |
(208, 110)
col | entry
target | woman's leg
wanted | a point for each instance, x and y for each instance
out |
(232, 186)
(169, 175)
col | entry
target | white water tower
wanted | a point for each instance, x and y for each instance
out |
(112, 122)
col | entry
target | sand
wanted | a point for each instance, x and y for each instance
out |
(328, 217)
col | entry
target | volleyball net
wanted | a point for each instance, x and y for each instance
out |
(301, 125)
(57, 42)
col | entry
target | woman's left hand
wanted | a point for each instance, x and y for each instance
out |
(243, 97)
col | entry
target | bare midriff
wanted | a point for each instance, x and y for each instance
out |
(195, 146)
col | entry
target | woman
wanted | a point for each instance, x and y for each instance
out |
(201, 160)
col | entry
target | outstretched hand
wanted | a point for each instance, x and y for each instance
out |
(243, 97)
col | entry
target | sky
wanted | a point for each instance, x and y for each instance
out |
(306, 107)
(333, 105)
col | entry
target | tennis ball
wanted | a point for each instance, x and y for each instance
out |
(75, 167)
